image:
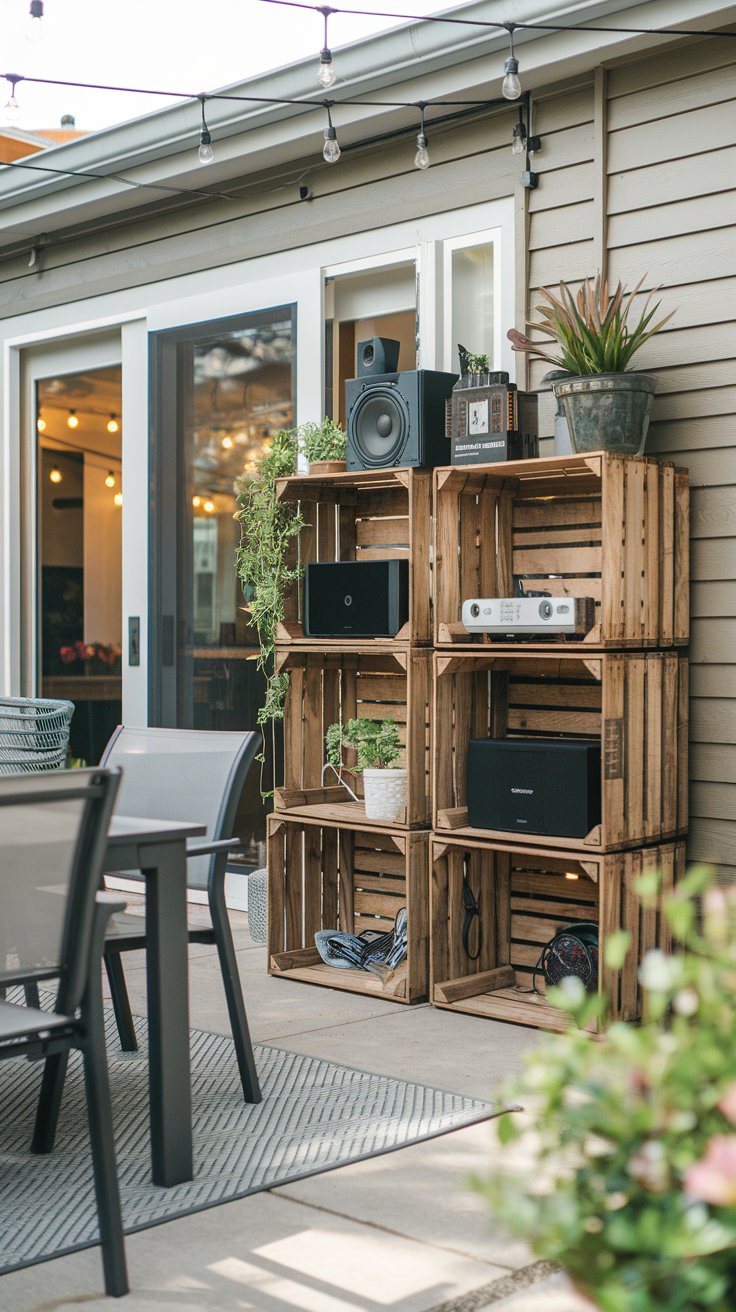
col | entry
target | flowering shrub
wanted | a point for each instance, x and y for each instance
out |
(629, 1165)
(90, 653)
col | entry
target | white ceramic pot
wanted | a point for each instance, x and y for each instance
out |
(385, 794)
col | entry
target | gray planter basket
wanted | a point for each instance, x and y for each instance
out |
(258, 905)
(607, 412)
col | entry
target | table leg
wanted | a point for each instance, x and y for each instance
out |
(164, 866)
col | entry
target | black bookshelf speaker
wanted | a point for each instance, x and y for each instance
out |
(379, 355)
(534, 786)
(398, 419)
(356, 599)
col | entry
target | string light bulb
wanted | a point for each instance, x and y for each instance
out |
(34, 30)
(326, 71)
(41, 424)
(331, 149)
(56, 474)
(118, 499)
(11, 110)
(72, 421)
(511, 86)
(206, 153)
(110, 479)
(112, 424)
(209, 506)
(421, 159)
(228, 443)
(196, 501)
(518, 136)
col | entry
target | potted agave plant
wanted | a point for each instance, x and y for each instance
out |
(370, 748)
(607, 406)
(324, 446)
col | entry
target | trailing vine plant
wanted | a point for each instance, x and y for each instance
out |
(266, 566)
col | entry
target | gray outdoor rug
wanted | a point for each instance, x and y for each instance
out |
(315, 1115)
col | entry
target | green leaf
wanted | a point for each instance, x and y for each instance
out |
(616, 948)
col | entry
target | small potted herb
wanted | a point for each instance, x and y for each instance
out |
(473, 368)
(607, 406)
(371, 748)
(324, 446)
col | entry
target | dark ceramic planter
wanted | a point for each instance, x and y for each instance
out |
(607, 412)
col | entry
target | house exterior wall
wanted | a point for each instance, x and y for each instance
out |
(638, 176)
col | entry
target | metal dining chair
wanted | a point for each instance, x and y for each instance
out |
(53, 835)
(34, 734)
(186, 774)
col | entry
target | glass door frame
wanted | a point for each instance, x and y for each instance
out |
(167, 603)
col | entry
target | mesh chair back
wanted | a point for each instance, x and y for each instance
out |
(34, 734)
(53, 836)
(183, 774)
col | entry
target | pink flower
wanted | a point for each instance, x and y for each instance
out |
(727, 1103)
(68, 655)
(713, 1178)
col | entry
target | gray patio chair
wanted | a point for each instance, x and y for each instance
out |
(183, 774)
(53, 834)
(34, 734)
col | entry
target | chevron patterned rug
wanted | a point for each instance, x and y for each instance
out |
(315, 1115)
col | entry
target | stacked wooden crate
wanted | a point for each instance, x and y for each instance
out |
(614, 529)
(329, 867)
(597, 526)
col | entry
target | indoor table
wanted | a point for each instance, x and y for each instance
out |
(158, 849)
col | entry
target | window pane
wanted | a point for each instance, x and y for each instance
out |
(472, 301)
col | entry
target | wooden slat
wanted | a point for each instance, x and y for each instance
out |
(454, 990)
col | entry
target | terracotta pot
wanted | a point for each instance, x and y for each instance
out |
(327, 466)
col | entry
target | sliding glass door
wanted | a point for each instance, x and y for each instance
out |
(220, 390)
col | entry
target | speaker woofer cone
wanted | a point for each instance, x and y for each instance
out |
(379, 426)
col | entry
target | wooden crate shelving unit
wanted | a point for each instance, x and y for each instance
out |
(326, 686)
(526, 894)
(325, 875)
(370, 515)
(634, 703)
(609, 527)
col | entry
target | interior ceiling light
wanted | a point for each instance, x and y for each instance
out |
(112, 424)
(228, 443)
(331, 148)
(326, 71)
(72, 421)
(34, 30)
(118, 499)
(421, 159)
(41, 424)
(206, 153)
(56, 474)
(110, 479)
(511, 86)
(196, 502)
(11, 110)
(209, 506)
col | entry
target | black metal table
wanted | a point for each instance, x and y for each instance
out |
(157, 848)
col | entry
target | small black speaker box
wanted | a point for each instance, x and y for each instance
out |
(534, 786)
(354, 599)
(379, 355)
(398, 419)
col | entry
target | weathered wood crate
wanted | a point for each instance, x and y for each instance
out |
(525, 895)
(348, 877)
(326, 686)
(635, 704)
(609, 527)
(370, 515)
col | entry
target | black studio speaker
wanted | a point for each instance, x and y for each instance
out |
(534, 786)
(398, 419)
(356, 599)
(379, 355)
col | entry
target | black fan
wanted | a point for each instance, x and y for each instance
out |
(572, 951)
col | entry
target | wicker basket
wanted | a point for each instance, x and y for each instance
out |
(34, 734)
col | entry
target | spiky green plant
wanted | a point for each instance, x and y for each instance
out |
(325, 441)
(592, 329)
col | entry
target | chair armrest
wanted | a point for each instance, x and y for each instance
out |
(220, 845)
(106, 904)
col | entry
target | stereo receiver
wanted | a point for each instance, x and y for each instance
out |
(512, 617)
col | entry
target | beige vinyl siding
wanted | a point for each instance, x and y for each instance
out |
(671, 213)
